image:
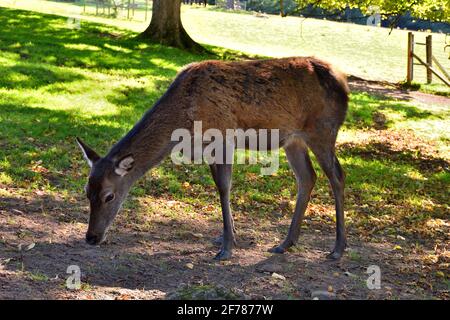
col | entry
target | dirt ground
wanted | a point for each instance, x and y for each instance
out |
(137, 265)
(159, 257)
(393, 91)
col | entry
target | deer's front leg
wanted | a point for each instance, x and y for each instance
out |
(222, 177)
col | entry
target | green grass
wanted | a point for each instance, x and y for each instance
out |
(371, 53)
(96, 82)
(427, 120)
(66, 83)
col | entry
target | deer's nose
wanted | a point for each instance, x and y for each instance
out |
(92, 238)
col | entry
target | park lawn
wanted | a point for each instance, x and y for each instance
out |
(367, 52)
(58, 83)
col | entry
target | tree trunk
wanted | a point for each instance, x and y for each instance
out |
(166, 27)
(282, 13)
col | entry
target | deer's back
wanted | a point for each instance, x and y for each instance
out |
(289, 94)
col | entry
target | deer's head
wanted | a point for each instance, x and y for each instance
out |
(107, 187)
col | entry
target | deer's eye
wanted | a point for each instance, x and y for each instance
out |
(109, 197)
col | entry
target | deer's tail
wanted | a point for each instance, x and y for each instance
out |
(334, 83)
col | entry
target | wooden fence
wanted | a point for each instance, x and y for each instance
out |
(428, 63)
(112, 8)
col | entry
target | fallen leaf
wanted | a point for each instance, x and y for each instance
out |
(190, 265)
(198, 235)
(278, 276)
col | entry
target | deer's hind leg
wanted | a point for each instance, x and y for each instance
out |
(219, 240)
(222, 177)
(325, 155)
(297, 155)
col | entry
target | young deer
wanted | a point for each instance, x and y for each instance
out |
(304, 98)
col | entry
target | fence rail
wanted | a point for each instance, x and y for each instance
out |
(231, 4)
(117, 8)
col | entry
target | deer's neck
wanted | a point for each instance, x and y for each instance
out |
(149, 141)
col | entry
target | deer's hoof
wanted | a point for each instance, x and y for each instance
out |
(334, 255)
(278, 249)
(223, 255)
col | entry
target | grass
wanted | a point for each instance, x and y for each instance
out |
(367, 52)
(50, 82)
(96, 82)
(427, 120)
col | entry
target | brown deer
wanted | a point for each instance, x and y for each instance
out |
(304, 98)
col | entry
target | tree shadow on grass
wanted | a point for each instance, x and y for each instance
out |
(94, 46)
(364, 107)
(53, 58)
(385, 152)
(134, 98)
(30, 134)
(386, 183)
(29, 76)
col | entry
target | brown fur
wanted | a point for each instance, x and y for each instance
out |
(294, 95)
(287, 94)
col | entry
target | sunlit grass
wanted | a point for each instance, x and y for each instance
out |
(368, 52)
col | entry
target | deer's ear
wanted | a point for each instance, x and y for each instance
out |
(124, 165)
(90, 155)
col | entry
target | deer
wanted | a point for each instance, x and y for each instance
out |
(305, 98)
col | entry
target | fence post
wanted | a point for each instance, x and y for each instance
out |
(429, 47)
(410, 65)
